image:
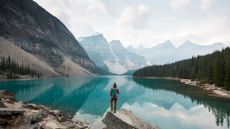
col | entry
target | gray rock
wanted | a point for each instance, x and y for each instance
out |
(113, 122)
(34, 126)
(52, 124)
(36, 117)
(11, 111)
(33, 107)
(125, 119)
(2, 105)
(10, 116)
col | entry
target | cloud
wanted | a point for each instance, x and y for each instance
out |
(179, 4)
(175, 117)
(146, 22)
(82, 29)
(97, 6)
(207, 31)
(207, 4)
(133, 21)
(136, 17)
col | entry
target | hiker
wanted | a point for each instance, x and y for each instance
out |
(113, 94)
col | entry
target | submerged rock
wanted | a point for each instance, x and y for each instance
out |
(125, 119)
(7, 94)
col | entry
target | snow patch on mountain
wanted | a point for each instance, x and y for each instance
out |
(115, 67)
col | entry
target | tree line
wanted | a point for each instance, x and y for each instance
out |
(12, 69)
(211, 68)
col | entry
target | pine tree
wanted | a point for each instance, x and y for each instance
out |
(227, 72)
(219, 70)
(12, 69)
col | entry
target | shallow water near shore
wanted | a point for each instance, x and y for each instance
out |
(168, 104)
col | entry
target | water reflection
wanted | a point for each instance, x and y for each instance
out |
(220, 108)
(169, 104)
(67, 94)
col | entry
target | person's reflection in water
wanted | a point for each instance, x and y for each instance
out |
(114, 96)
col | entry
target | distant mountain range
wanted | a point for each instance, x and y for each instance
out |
(112, 56)
(27, 30)
(166, 52)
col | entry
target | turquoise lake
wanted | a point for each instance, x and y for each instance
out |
(166, 103)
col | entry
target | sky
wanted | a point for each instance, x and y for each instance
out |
(146, 22)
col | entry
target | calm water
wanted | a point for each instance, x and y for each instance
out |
(166, 103)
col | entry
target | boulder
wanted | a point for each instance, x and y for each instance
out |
(114, 122)
(35, 117)
(125, 119)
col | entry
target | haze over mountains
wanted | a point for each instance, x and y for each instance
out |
(166, 52)
(112, 56)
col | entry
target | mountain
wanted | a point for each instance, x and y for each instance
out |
(166, 52)
(189, 45)
(125, 58)
(32, 29)
(113, 56)
(189, 49)
(158, 54)
(98, 49)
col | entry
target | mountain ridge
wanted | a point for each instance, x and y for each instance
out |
(112, 56)
(34, 30)
(166, 52)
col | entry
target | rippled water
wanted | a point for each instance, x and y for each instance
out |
(166, 103)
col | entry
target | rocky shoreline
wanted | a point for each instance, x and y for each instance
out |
(19, 115)
(210, 88)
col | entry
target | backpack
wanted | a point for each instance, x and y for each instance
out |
(114, 92)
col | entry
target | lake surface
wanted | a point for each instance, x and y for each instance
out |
(166, 103)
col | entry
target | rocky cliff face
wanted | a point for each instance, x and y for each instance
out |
(33, 29)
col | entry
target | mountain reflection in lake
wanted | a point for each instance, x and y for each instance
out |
(166, 103)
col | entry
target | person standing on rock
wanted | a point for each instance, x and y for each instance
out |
(114, 96)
